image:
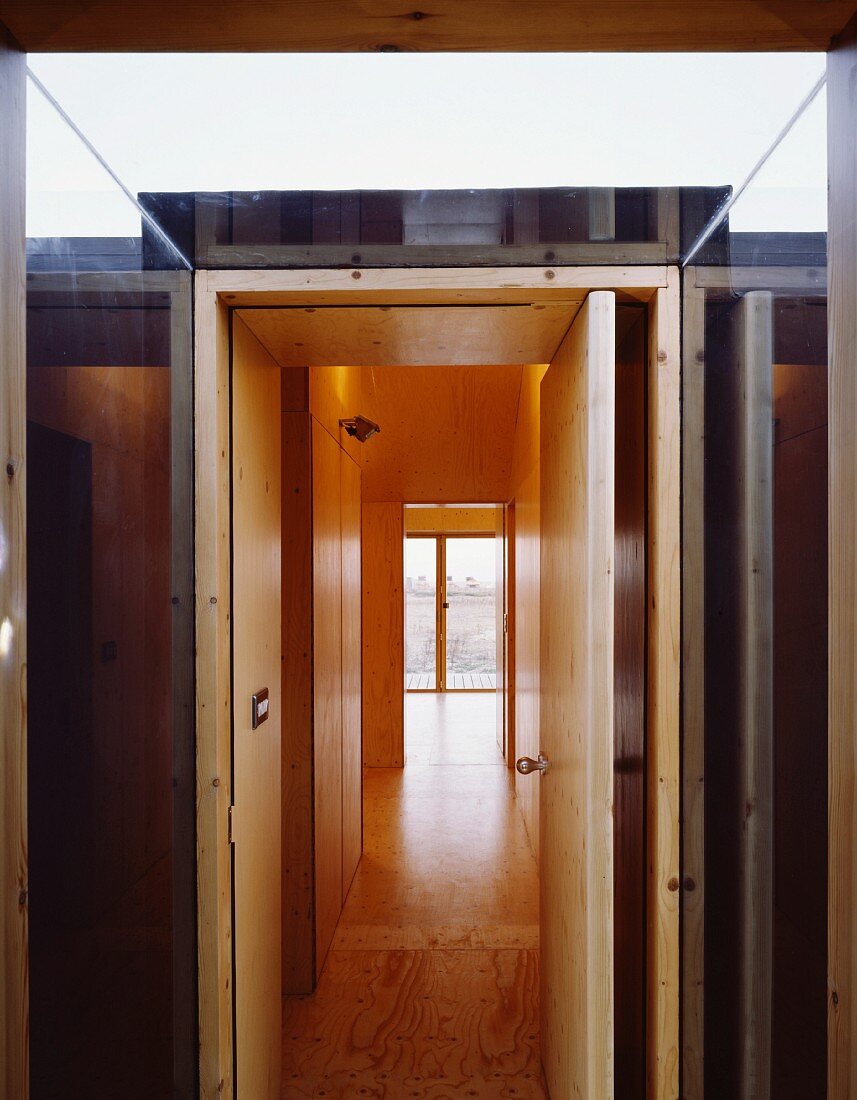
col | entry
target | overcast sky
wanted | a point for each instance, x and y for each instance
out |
(464, 558)
(174, 122)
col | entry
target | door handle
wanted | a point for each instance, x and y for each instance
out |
(526, 765)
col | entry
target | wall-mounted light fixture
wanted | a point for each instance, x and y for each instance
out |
(361, 427)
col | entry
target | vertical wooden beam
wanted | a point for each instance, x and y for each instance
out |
(602, 213)
(842, 684)
(664, 664)
(14, 1031)
(669, 222)
(693, 687)
(383, 635)
(213, 692)
(754, 399)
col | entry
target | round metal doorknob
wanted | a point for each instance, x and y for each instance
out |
(526, 765)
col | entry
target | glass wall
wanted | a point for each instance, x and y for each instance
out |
(470, 640)
(111, 783)
(421, 615)
(755, 636)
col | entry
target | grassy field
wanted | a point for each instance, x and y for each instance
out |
(471, 631)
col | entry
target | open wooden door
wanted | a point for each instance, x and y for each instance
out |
(256, 611)
(576, 706)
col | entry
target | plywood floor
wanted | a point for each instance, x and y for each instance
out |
(431, 987)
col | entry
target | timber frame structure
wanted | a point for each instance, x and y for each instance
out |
(342, 25)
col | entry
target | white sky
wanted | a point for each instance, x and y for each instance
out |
(173, 122)
(464, 558)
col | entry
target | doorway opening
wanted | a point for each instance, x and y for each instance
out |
(451, 608)
(447, 842)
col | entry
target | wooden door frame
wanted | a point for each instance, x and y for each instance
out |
(217, 293)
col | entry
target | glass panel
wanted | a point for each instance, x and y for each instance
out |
(471, 618)
(756, 649)
(583, 186)
(111, 785)
(421, 614)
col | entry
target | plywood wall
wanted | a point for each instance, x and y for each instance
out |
(352, 672)
(296, 764)
(444, 521)
(524, 490)
(322, 750)
(257, 634)
(383, 636)
(446, 433)
(327, 687)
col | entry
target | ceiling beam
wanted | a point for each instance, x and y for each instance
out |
(390, 25)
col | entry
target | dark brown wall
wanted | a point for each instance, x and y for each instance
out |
(629, 722)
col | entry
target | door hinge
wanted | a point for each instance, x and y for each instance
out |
(505, 622)
(231, 826)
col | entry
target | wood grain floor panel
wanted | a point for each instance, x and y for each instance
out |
(417, 1024)
(431, 988)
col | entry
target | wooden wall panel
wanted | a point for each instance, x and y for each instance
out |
(433, 447)
(383, 636)
(334, 394)
(14, 1078)
(352, 675)
(297, 671)
(257, 641)
(327, 698)
(577, 449)
(524, 490)
(290, 25)
(527, 661)
(842, 556)
(450, 520)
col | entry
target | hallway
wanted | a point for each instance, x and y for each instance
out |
(431, 988)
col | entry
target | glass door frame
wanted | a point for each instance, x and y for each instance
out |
(441, 607)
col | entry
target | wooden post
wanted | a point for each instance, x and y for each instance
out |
(842, 720)
(663, 672)
(693, 686)
(754, 396)
(14, 1031)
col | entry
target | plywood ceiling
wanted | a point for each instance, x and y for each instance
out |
(418, 336)
(446, 433)
(387, 25)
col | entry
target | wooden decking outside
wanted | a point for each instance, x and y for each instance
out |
(465, 681)
(431, 987)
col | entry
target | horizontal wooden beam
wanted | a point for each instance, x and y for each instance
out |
(388, 26)
(451, 285)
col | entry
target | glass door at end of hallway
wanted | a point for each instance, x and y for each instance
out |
(451, 613)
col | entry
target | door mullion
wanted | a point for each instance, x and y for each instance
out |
(440, 589)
